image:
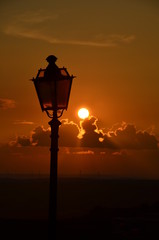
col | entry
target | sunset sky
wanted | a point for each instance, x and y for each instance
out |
(112, 49)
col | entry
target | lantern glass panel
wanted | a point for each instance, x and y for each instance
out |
(63, 72)
(63, 90)
(44, 91)
(41, 73)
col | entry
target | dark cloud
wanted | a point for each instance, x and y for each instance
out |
(89, 135)
(92, 136)
(20, 141)
(124, 137)
(23, 141)
(129, 138)
(40, 137)
(68, 133)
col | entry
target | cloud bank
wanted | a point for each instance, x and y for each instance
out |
(88, 134)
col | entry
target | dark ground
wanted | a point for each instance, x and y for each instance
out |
(87, 209)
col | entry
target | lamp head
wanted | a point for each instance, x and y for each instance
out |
(53, 89)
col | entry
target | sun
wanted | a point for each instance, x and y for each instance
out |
(83, 113)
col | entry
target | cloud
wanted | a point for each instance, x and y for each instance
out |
(68, 134)
(6, 103)
(115, 39)
(125, 136)
(38, 17)
(128, 137)
(40, 136)
(92, 136)
(88, 134)
(23, 141)
(120, 153)
(24, 122)
(33, 25)
(26, 33)
(20, 141)
(88, 152)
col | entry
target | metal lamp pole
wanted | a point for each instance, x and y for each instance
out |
(54, 124)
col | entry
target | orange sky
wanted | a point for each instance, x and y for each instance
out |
(111, 46)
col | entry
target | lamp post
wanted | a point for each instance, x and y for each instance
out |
(53, 86)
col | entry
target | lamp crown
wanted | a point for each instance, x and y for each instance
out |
(51, 59)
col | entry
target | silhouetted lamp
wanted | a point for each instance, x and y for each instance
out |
(53, 86)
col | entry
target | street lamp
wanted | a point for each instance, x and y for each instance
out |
(53, 86)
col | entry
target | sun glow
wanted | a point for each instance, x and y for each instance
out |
(83, 113)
